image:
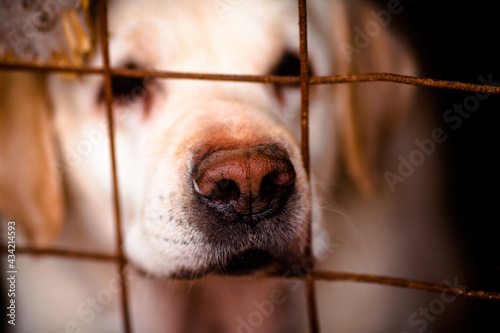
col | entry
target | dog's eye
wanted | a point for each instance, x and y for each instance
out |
(289, 65)
(126, 88)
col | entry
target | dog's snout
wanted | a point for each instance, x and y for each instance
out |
(247, 183)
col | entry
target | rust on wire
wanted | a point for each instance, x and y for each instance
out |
(406, 79)
(285, 80)
(21, 66)
(65, 253)
(405, 283)
(304, 86)
(274, 79)
(312, 313)
(327, 276)
(103, 36)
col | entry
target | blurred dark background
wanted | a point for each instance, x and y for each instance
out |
(460, 41)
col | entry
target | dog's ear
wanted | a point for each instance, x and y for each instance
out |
(30, 191)
(365, 42)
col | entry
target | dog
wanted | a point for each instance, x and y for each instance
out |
(212, 187)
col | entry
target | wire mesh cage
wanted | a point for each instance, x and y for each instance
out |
(305, 80)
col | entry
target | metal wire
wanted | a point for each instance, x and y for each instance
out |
(285, 80)
(318, 275)
(108, 90)
(304, 80)
(312, 311)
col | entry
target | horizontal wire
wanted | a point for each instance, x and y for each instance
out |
(286, 80)
(406, 79)
(67, 253)
(153, 73)
(405, 283)
(317, 275)
(20, 66)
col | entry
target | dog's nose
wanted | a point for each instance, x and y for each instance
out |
(255, 181)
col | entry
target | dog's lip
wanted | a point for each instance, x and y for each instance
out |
(247, 262)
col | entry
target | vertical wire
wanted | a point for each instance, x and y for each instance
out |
(103, 16)
(304, 123)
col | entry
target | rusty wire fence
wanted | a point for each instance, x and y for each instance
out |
(305, 81)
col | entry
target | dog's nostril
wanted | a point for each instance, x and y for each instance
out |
(227, 190)
(224, 189)
(246, 181)
(277, 179)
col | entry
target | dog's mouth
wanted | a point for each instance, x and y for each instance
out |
(247, 262)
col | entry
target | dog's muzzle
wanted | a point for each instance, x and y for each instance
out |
(245, 199)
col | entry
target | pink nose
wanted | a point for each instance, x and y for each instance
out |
(246, 181)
